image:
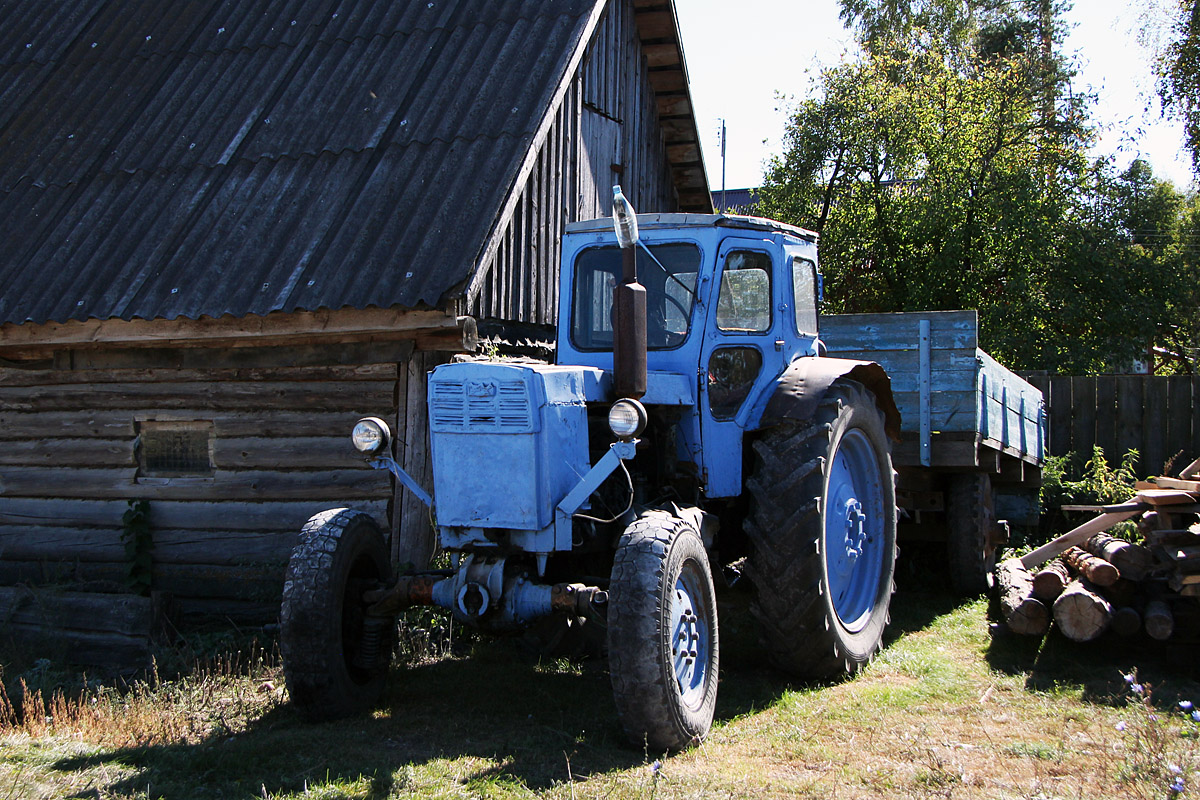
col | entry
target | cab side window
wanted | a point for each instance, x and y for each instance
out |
(805, 291)
(744, 303)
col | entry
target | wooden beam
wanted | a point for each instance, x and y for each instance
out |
(205, 329)
(1080, 534)
(213, 357)
(121, 483)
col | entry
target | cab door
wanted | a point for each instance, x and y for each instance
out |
(739, 354)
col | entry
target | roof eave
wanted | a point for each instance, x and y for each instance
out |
(658, 27)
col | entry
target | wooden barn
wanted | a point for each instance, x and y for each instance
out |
(232, 227)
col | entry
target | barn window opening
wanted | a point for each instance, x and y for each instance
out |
(174, 448)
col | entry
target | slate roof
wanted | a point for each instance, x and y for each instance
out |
(180, 158)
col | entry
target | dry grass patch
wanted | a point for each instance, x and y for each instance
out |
(946, 711)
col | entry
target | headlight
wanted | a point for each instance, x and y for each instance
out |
(371, 436)
(626, 419)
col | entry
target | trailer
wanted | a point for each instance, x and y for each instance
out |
(973, 434)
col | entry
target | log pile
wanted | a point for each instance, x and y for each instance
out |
(1089, 582)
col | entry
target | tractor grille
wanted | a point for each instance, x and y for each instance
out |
(480, 406)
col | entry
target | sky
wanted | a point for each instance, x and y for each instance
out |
(743, 56)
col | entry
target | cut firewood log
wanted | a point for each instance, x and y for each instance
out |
(1122, 593)
(1050, 580)
(1094, 568)
(1024, 613)
(1159, 621)
(1133, 560)
(1080, 613)
(1126, 621)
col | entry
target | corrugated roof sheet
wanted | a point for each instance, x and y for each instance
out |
(166, 158)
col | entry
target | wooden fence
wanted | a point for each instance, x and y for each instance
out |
(1157, 416)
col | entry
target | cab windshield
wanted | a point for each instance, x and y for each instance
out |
(670, 294)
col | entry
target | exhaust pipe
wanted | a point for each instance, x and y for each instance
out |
(629, 304)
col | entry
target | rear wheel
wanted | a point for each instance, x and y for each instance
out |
(335, 656)
(974, 534)
(822, 530)
(662, 634)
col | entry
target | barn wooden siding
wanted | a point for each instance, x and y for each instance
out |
(605, 131)
(279, 452)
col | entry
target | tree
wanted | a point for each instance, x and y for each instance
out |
(1179, 76)
(946, 169)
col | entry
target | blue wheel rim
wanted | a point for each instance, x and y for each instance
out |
(690, 635)
(854, 527)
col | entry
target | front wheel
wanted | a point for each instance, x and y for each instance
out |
(822, 530)
(662, 634)
(335, 656)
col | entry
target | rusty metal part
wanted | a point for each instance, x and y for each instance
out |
(407, 591)
(576, 598)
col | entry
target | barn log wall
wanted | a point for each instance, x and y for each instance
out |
(605, 131)
(69, 461)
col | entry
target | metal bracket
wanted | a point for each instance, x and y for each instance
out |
(389, 463)
(589, 483)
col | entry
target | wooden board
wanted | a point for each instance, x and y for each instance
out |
(1165, 497)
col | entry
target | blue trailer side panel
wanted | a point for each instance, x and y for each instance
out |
(969, 395)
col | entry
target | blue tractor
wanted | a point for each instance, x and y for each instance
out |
(691, 418)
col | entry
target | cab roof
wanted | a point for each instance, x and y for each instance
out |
(660, 221)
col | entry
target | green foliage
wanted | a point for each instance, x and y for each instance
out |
(139, 541)
(948, 168)
(1179, 76)
(1096, 484)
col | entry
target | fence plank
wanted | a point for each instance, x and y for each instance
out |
(1179, 421)
(1128, 432)
(1195, 405)
(1106, 417)
(1154, 426)
(1059, 405)
(1083, 422)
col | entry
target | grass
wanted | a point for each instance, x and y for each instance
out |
(946, 711)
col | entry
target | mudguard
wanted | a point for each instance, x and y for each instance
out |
(800, 388)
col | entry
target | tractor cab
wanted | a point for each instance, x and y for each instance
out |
(730, 303)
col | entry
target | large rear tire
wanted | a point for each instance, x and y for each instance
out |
(662, 634)
(973, 532)
(822, 530)
(335, 657)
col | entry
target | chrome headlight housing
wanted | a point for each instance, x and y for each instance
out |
(627, 419)
(371, 436)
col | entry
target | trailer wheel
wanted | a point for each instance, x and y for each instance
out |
(822, 530)
(335, 657)
(662, 634)
(974, 535)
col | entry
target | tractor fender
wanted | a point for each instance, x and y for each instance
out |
(799, 389)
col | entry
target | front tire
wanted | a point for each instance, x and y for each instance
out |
(335, 657)
(822, 530)
(662, 634)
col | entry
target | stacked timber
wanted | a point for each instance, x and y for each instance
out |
(1089, 582)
